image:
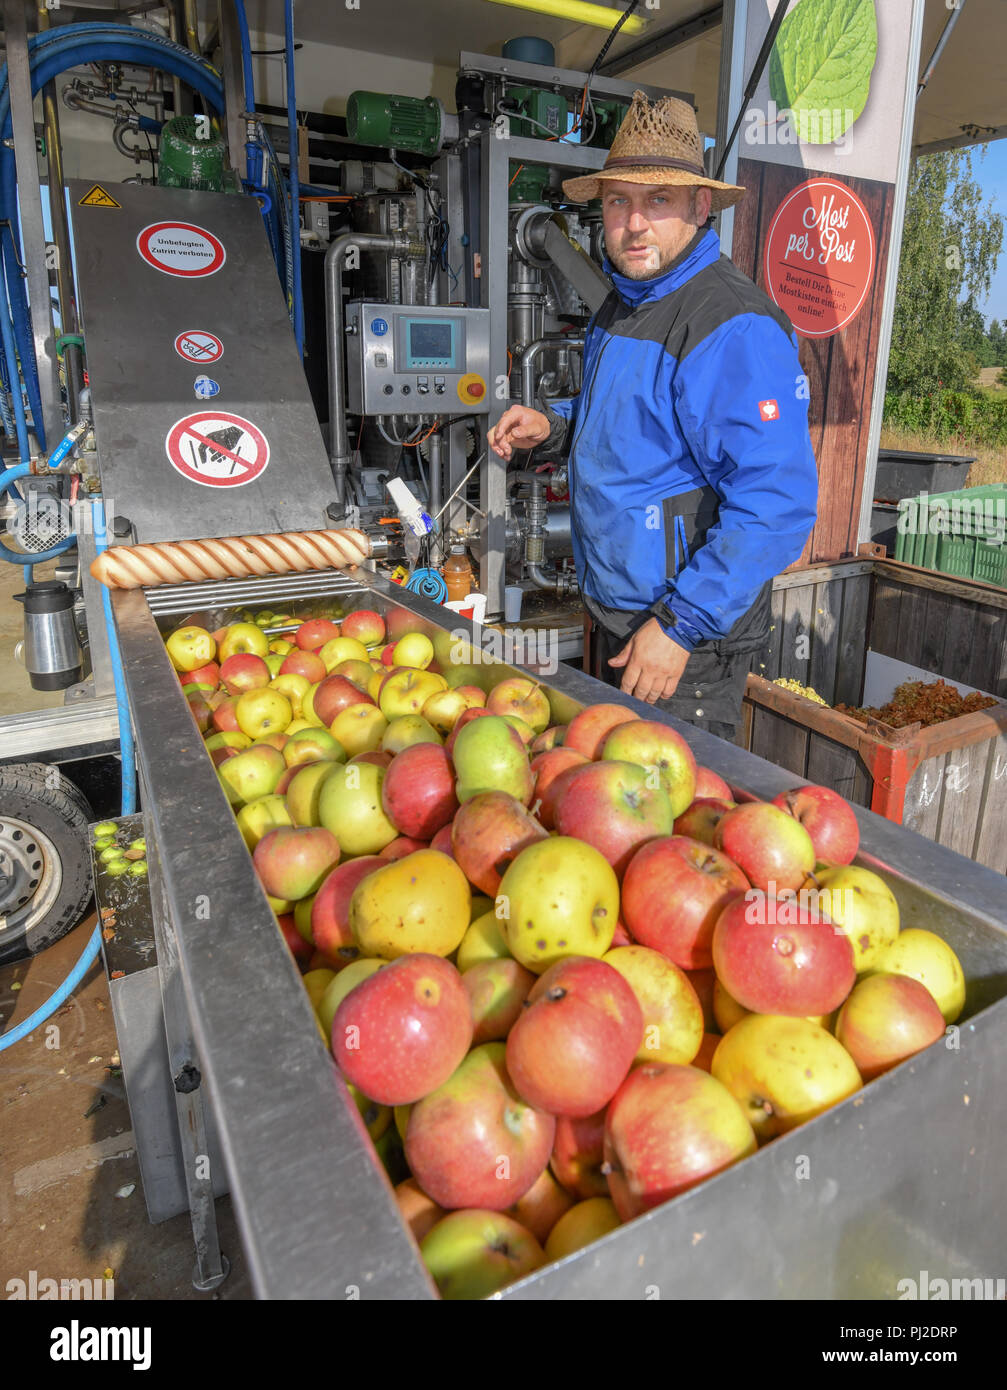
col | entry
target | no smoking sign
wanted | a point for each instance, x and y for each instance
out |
(217, 449)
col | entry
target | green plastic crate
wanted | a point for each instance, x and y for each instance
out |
(947, 532)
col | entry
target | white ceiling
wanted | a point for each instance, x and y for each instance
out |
(969, 86)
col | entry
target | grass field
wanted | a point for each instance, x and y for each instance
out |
(990, 465)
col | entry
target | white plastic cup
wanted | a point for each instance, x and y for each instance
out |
(513, 594)
(477, 602)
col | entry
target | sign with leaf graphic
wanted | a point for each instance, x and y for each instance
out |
(821, 64)
(819, 154)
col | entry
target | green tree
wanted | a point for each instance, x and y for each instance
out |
(950, 246)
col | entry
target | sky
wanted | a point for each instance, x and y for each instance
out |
(991, 174)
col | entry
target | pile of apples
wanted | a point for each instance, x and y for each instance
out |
(564, 972)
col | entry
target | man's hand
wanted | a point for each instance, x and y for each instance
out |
(519, 427)
(653, 662)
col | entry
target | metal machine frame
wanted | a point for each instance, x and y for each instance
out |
(313, 1205)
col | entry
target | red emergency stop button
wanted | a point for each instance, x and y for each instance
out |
(471, 388)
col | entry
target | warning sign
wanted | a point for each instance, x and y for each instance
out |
(181, 248)
(217, 449)
(196, 345)
(97, 197)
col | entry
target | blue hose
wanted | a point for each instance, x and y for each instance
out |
(295, 199)
(90, 952)
(428, 583)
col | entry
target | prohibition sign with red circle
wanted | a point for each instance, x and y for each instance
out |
(181, 248)
(197, 345)
(217, 449)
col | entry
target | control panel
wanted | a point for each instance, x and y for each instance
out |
(416, 359)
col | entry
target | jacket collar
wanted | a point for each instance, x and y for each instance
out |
(702, 250)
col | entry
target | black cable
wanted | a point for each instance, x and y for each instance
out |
(611, 38)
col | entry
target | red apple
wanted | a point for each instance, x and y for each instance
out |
(578, 1154)
(772, 849)
(474, 1142)
(522, 697)
(418, 793)
(547, 767)
(551, 738)
(668, 1128)
(242, 672)
(200, 711)
(708, 784)
(419, 1213)
(403, 1032)
(314, 633)
(487, 834)
(442, 841)
(376, 756)
(292, 862)
(702, 982)
(330, 910)
(498, 990)
(334, 694)
(672, 894)
(775, 956)
(388, 655)
(541, 1206)
(588, 730)
(886, 1019)
(571, 1048)
(203, 675)
(303, 663)
(398, 849)
(365, 625)
(301, 950)
(700, 820)
(224, 717)
(612, 806)
(827, 818)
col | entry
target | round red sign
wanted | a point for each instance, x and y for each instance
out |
(181, 248)
(197, 345)
(820, 256)
(217, 449)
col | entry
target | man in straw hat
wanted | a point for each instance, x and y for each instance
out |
(692, 476)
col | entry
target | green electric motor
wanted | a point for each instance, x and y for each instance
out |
(186, 161)
(395, 123)
(539, 114)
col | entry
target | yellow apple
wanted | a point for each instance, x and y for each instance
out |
(415, 649)
(483, 941)
(294, 687)
(281, 645)
(443, 710)
(418, 903)
(243, 637)
(407, 691)
(339, 649)
(924, 956)
(583, 1224)
(672, 1013)
(407, 730)
(261, 712)
(190, 647)
(261, 815)
(359, 728)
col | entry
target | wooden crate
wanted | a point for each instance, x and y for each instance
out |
(948, 782)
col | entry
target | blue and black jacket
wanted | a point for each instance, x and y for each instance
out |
(692, 477)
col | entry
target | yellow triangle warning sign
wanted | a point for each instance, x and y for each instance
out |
(96, 197)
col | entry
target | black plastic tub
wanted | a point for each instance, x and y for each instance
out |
(904, 474)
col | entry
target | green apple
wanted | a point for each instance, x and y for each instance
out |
(472, 1254)
(349, 805)
(484, 941)
(347, 979)
(273, 661)
(406, 730)
(489, 755)
(251, 774)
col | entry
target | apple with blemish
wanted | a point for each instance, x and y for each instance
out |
(658, 750)
(190, 648)
(403, 1032)
(699, 821)
(261, 712)
(488, 832)
(330, 909)
(828, 819)
(417, 904)
(861, 904)
(615, 807)
(560, 897)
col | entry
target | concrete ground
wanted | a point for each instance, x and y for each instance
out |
(71, 1201)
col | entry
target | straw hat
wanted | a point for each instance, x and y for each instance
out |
(657, 144)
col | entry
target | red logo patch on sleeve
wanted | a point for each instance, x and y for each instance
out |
(769, 410)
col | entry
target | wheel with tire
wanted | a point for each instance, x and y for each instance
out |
(45, 862)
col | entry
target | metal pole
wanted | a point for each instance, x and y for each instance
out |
(32, 225)
(892, 272)
(72, 357)
(234, 84)
(732, 76)
(494, 220)
(435, 491)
